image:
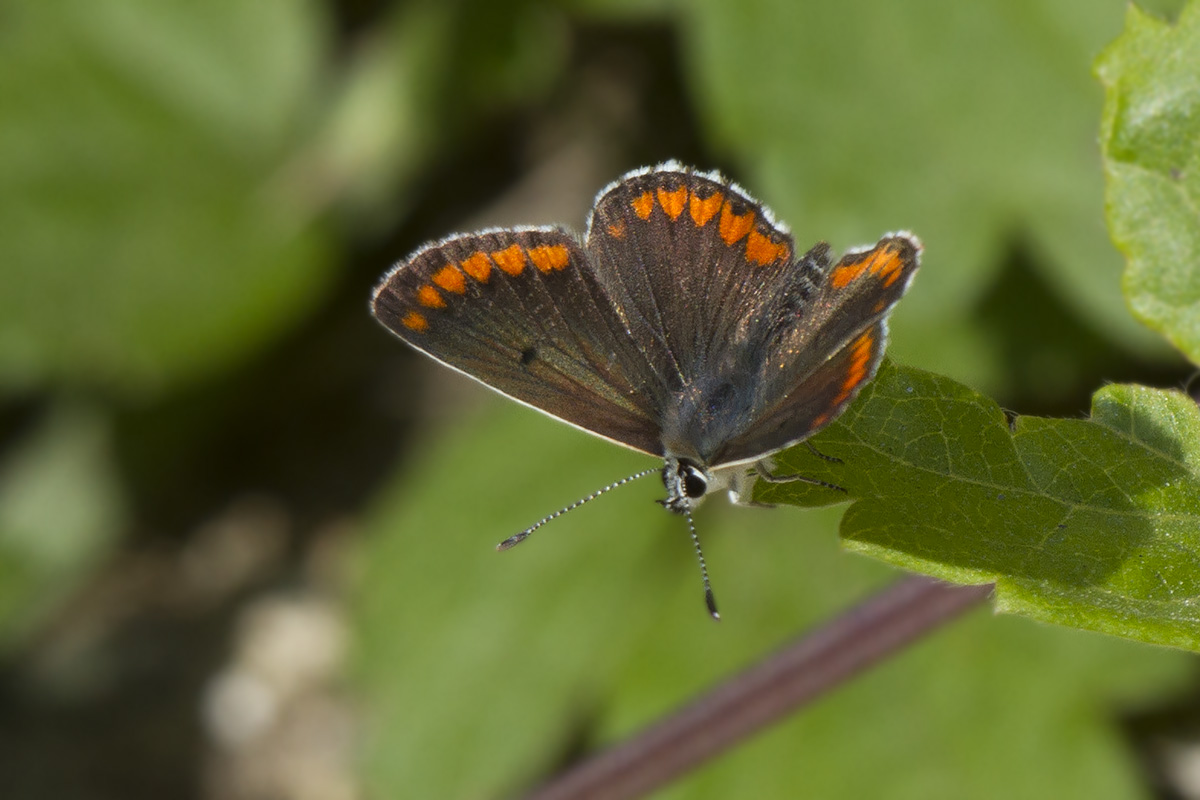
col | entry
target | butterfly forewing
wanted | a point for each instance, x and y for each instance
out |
(521, 311)
(690, 260)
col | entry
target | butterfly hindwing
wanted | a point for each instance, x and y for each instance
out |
(812, 369)
(824, 395)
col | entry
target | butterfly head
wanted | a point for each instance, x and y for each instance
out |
(686, 483)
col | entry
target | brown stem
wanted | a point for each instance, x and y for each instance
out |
(768, 691)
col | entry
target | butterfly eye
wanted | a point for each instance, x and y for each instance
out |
(694, 482)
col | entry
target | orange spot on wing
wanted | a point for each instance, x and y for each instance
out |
(450, 279)
(733, 227)
(478, 266)
(860, 361)
(762, 250)
(548, 257)
(890, 267)
(883, 262)
(845, 274)
(672, 202)
(415, 322)
(704, 210)
(617, 229)
(643, 204)
(430, 297)
(511, 259)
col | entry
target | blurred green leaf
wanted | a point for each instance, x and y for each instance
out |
(971, 125)
(449, 626)
(428, 77)
(60, 510)
(1151, 141)
(481, 670)
(1092, 523)
(146, 233)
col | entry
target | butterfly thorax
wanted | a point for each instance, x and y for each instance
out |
(704, 415)
(708, 412)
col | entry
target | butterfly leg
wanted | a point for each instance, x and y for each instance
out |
(812, 449)
(769, 477)
(741, 491)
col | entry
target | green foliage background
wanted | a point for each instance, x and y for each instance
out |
(196, 200)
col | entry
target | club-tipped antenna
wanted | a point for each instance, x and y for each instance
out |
(709, 599)
(515, 540)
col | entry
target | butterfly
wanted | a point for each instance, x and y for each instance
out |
(682, 324)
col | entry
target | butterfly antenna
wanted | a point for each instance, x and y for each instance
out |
(513, 541)
(709, 599)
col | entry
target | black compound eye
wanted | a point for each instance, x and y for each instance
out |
(694, 484)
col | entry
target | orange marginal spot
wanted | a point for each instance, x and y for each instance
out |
(415, 322)
(617, 229)
(479, 267)
(762, 250)
(643, 205)
(450, 279)
(548, 257)
(704, 210)
(672, 202)
(882, 262)
(819, 421)
(733, 227)
(430, 297)
(845, 274)
(888, 266)
(511, 259)
(860, 359)
(880, 306)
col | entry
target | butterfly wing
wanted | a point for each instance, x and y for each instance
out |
(814, 366)
(521, 312)
(688, 259)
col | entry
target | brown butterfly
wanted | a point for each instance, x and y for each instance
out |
(682, 325)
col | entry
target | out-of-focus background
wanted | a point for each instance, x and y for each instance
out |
(246, 536)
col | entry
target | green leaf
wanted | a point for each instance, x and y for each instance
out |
(1091, 523)
(149, 232)
(61, 509)
(1151, 140)
(482, 671)
(971, 125)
